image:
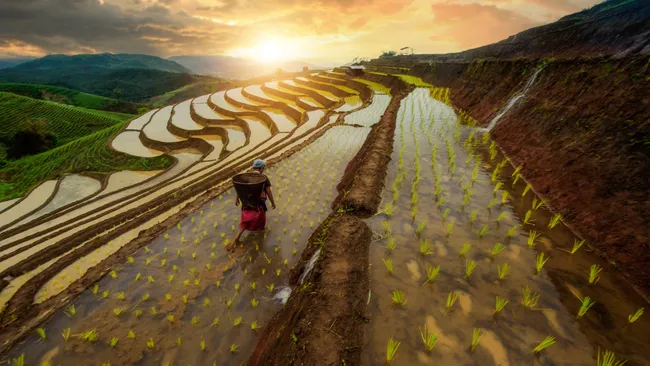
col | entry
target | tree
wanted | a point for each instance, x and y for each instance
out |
(388, 54)
(31, 139)
(117, 93)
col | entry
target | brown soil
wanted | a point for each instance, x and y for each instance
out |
(322, 323)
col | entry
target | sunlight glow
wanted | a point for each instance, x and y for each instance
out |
(270, 51)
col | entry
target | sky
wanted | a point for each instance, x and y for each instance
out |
(325, 31)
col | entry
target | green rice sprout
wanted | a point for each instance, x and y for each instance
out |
(585, 305)
(105, 294)
(254, 325)
(432, 273)
(501, 216)
(120, 295)
(145, 297)
(470, 265)
(477, 334)
(608, 358)
(20, 361)
(594, 274)
(391, 349)
(138, 276)
(41, 333)
(385, 227)
(496, 249)
(195, 320)
(576, 245)
(441, 201)
(130, 335)
(398, 298)
(215, 322)
(153, 310)
(254, 303)
(391, 245)
(498, 185)
(492, 203)
(118, 311)
(428, 338)
(184, 298)
(540, 260)
(526, 190)
(71, 311)
(554, 221)
(450, 227)
(389, 265)
(170, 318)
(514, 182)
(234, 348)
(389, 209)
(482, 231)
(95, 289)
(504, 197)
(528, 218)
(420, 228)
(634, 317)
(150, 343)
(113, 274)
(512, 231)
(113, 342)
(202, 345)
(137, 313)
(499, 305)
(503, 271)
(538, 205)
(529, 299)
(445, 214)
(532, 236)
(237, 321)
(472, 217)
(89, 336)
(464, 249)
(66, 334)
(425, 247)
(270, 287)
(451, 300)
(547, 342)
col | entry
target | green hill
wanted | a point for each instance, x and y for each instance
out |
(65, 122)
(71, 97)
(103, 60)
(89, 153)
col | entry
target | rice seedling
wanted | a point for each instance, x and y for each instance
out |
(253, 285)
(195, 320)
(470, 265)
(89, 336)
(547, 342)
(594, 273)
(634, 317)
(130, 335)
(120, 295)
(113, 342)
(66, 334)
(540, 260)
(428, 338)
(472, 217)
(499, 305)
(391, 244)
(464, 249)
(117, 311)
(608, 358)
(528, 220)
(532, 236)
(150, 279)
(391, 349)
(270, 287)
(105, 294)
(254, 303)
(450, 227)
(529, 299)
(20, 361)
(254, 325)
(130, 259)
(432, 273)
(554, 221)
(234, 348)
(150, 343)
(206, 302)
(420, 228)
(153, 311)
(528, 187)
(538, 205)
(184, 298)
(41, 333)
(445, 214)
(137, 313)
(577, 244)
(425, 247)
(503, 271)
(477, 334)
(71, 311)
(95, 289)
(512, 231)
(138, 276)
(202, 344)
(501, 216)
(398, 298)
(452, 297)
(389, 265)
(482, 231)
(170, 318)
(492, 203)
(237, 321)
(585, 305)
(113, 274)
(496, 249)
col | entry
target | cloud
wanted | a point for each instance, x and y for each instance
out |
(473, 25)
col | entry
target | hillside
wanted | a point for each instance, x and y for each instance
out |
(91, 153)
(13, 61)
(131, 78)
(235, 68)
(71, 97)
(66, 123)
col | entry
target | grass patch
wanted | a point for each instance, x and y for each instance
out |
(88, 153)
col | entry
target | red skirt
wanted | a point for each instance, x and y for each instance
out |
(253, 219)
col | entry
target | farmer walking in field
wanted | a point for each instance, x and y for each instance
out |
(253, 212)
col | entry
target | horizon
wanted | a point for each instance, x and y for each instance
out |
(329, 31)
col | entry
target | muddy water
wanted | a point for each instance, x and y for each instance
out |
(127, 178)
(205, 111)
(370, 115)
(193, 254)
(157, 128)
(282, 122)
(218, 99)
(510, 336)
(351, 102)
(140, 122)
(182, 118)
(33, 201)
(129, 142)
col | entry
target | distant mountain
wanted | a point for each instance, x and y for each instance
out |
(122, 76)
(13, 61)
(86, 62)
(233, 67)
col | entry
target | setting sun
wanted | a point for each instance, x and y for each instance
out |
(270, 51)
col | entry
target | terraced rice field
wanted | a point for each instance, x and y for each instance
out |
(61, 234)
(466, 264)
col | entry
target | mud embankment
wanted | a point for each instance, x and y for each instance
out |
(322, 322)
(582, 135)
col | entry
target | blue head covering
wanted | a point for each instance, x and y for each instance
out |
(259, 163)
